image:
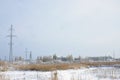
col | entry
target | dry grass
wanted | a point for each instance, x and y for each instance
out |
(3, 77)
(61, 66)
(54, 75)
(48, 67)
(42, 67)
(2, 63)
(100, 63)
(3, 66)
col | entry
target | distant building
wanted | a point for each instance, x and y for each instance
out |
(102, 58)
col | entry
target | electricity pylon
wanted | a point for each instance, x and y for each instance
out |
(11, 44)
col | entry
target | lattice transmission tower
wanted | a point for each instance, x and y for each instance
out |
(11, 44)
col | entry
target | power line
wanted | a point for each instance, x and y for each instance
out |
(11, 44)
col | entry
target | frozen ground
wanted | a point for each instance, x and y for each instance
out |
(100, 73)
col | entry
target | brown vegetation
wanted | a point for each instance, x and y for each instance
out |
(100, 63)
(61, 66)
(3, 66)
(2, 63)
(3, 77)
(49, 67)
(42, 67)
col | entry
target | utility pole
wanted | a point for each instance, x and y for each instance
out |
(11, 44)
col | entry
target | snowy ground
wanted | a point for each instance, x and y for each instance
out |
(101, 73)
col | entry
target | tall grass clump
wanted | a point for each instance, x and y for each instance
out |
(54, 75)
(3, 66)
(3, 77)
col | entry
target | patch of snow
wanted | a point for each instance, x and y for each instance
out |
(99, 73)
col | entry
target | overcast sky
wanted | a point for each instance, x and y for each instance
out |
(46, 27)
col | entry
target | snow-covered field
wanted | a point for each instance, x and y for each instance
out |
(99, 73)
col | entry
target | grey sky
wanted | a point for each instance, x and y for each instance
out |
(45, 27)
